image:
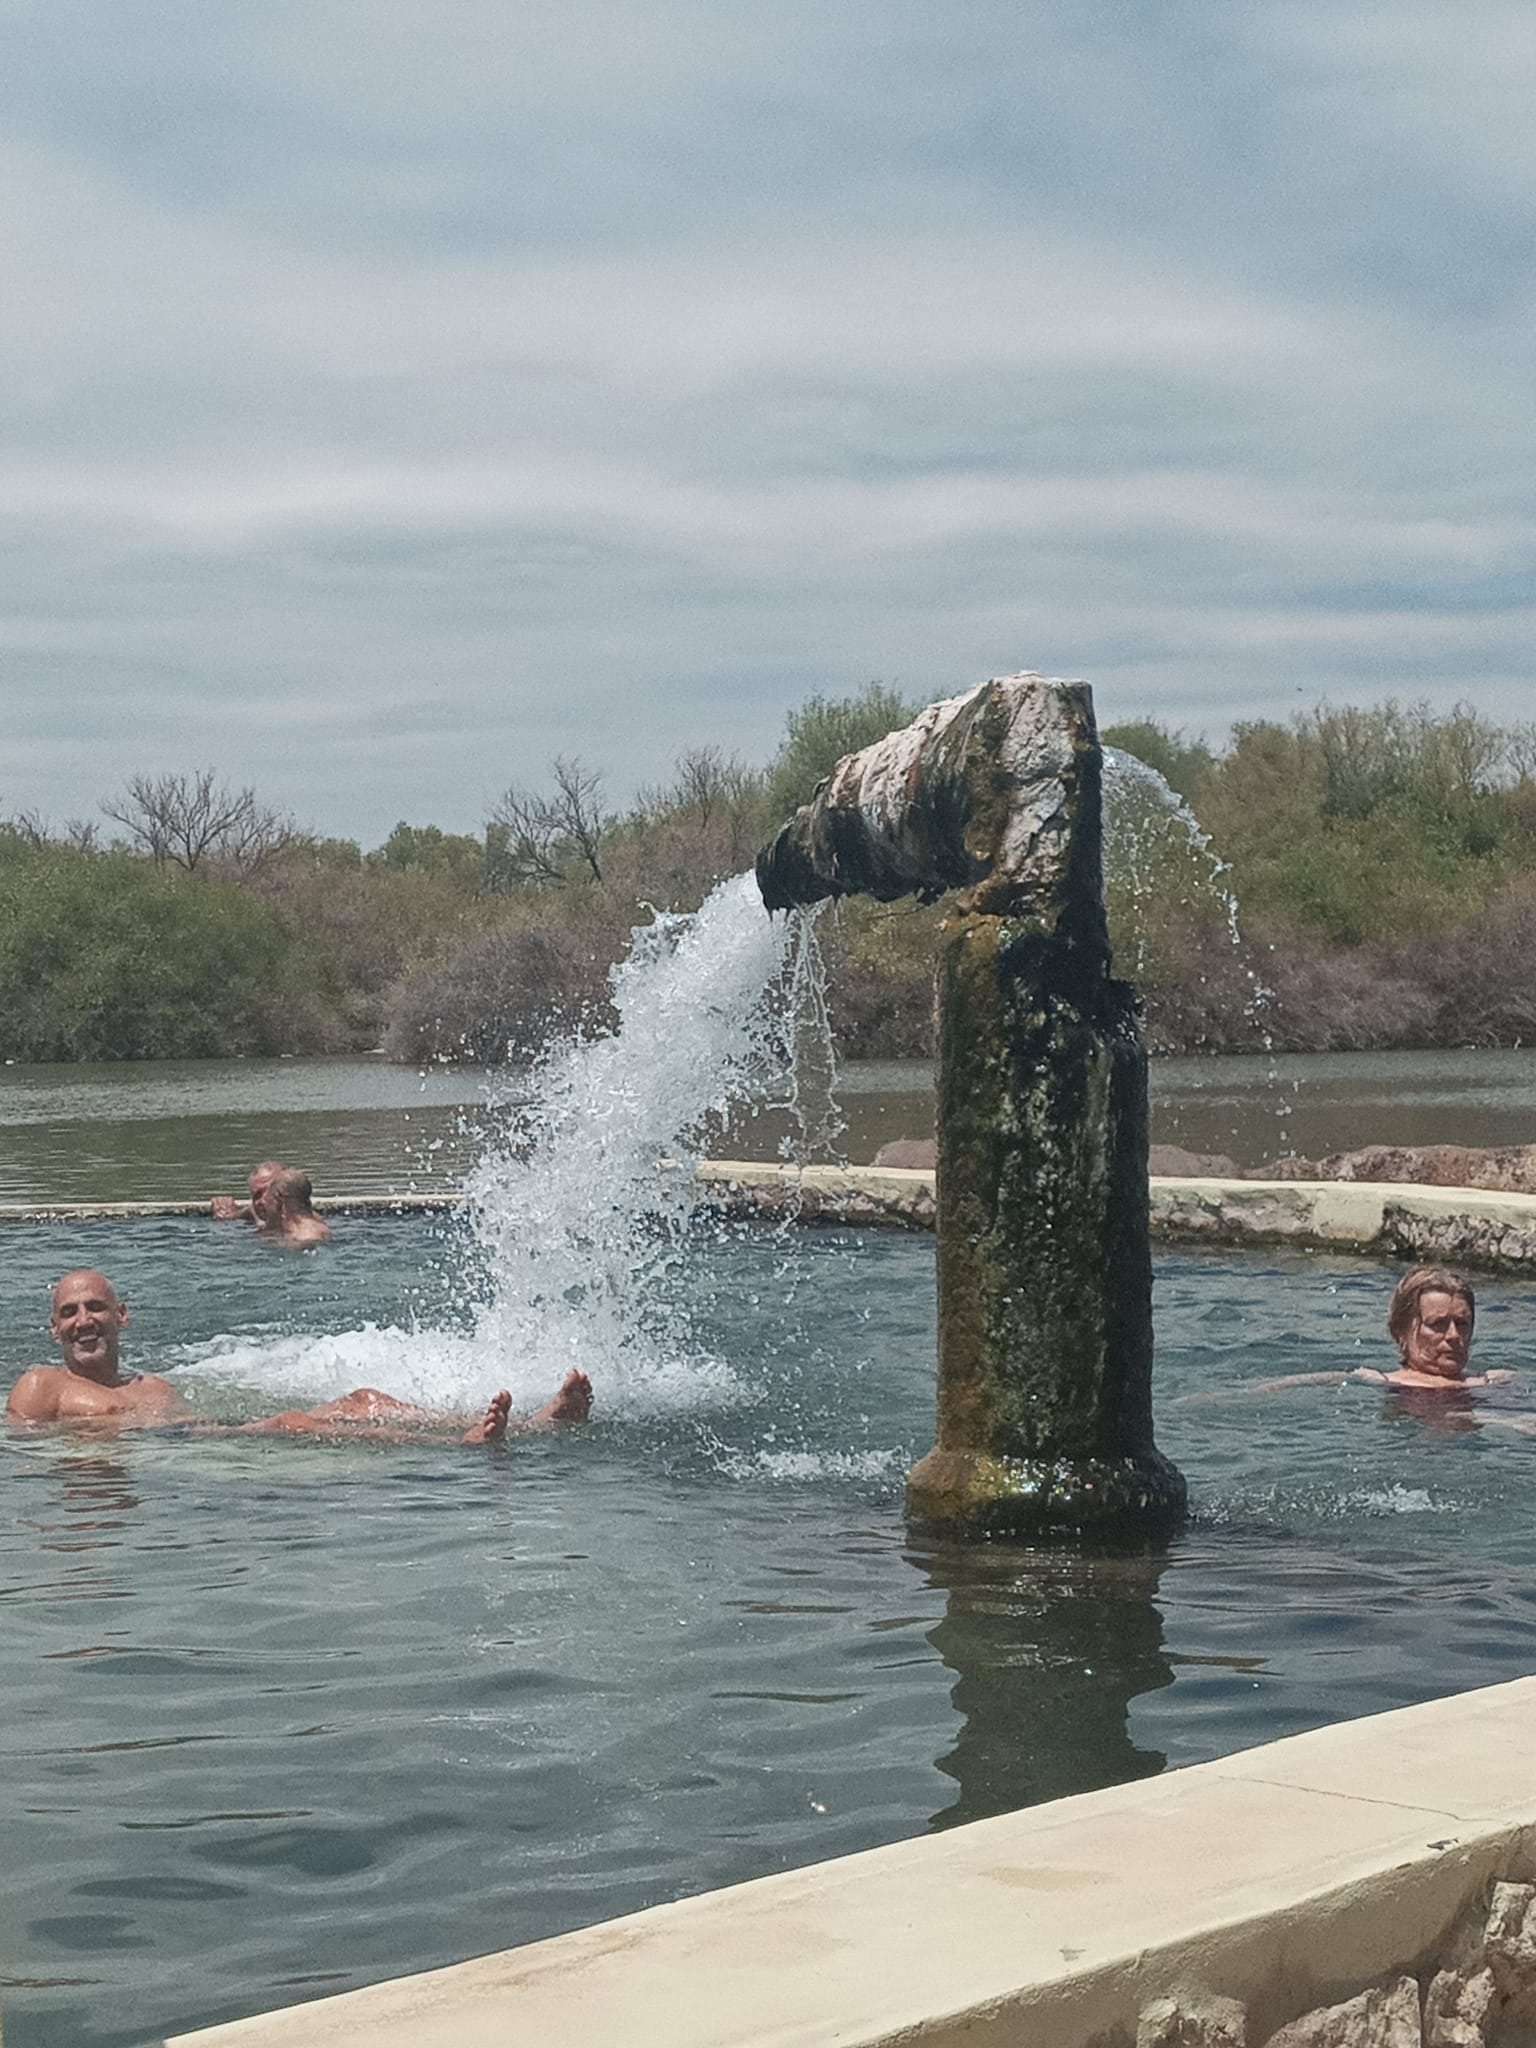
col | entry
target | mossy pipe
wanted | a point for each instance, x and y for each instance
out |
(1044, 1262)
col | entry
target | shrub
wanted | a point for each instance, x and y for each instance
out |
(500, 999)
(105, 957)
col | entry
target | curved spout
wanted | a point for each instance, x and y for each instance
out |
(988, 793)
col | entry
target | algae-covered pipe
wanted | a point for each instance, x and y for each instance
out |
(1044, 1257)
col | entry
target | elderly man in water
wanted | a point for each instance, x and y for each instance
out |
(90, 1387)
(229, 1209)
(288, 1211)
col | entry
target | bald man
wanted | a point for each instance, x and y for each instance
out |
(88, 1318)
(227, 1209)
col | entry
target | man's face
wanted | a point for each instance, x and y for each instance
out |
(85, 1322)
(1440, 1336)
(260, 1185)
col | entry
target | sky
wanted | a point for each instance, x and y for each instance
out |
(394, 397)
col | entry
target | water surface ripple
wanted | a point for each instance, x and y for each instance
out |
(282, 1718)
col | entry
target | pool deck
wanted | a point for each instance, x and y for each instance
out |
(1473, 1226)
(1282, 1878)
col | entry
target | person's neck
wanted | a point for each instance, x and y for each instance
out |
(105, 1373)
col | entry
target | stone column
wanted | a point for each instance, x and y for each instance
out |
(1044, 1261)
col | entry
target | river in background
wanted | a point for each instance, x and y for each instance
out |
(183, 1130)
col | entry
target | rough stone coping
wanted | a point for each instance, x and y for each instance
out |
(1475, 1225)
(1286, 1876)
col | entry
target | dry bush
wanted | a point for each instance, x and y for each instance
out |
(380, 926)
(1483, 974)
(501, 1000)
(880, 978)
(1345, 999)
(1209, 992)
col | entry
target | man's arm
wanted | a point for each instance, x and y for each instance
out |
(35, 1396)
(229, 1209)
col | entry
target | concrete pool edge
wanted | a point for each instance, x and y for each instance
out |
(1285, 1877)
(1476, 1226)
(1485, 1227)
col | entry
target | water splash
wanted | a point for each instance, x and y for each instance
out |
(584, 1212)
(1150, 833)
(1143, 817)
(581, 1221)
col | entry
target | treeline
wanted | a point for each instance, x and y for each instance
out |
(1383, 862)
(190, 920)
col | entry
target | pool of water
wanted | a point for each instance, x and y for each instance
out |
(280, 1718)
(184, 1130)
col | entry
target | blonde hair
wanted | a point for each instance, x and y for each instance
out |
(1403, 1309)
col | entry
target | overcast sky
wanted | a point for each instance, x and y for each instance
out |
(394, 396)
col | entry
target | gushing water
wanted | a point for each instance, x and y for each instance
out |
(582, 1226)
(581, 1220)
(1143, 816)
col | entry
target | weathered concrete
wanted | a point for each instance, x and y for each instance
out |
(1508, 1168)
(1281, 1883)
(980, 793)
(1388, 1220)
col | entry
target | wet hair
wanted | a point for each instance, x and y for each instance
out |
(293, 1188)
(1403, 1310)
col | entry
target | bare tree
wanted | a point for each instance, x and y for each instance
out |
(31, 826)
(1520, 751)
(716, 798)
(187, 821)
(533, 837)
(578, 804)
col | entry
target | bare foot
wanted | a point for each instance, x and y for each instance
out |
(494, 1427)
(573, 1403)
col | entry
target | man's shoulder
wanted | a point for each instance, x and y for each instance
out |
(35, 1396)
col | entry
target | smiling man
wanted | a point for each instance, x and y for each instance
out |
(87, 1320)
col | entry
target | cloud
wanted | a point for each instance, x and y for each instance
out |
(395, 398)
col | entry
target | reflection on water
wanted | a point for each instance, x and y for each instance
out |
(1050, 1644)
(95, 1498)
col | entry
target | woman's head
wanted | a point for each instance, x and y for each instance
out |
(1430, 1319)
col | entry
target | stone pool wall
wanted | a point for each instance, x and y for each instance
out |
(1371, 1885)
(1461, 1226)
(1477, 1227)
